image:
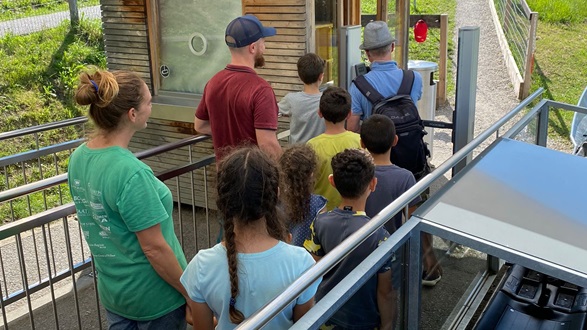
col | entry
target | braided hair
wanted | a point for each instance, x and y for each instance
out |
(247, 183)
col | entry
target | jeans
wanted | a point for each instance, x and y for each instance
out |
(172, 320)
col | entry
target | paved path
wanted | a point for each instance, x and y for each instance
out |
(38, 23)
(495, 97)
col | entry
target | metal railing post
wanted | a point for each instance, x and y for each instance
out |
(542, 126)
(412, 310)
(466, 92)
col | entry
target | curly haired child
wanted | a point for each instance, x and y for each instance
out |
(298, 165)
(238, 276)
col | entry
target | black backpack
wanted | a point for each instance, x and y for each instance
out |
(411, 150)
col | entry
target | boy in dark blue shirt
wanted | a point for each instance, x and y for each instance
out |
(373, 305)
(378, 137)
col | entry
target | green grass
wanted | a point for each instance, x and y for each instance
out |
(560, 58)
(14, 9)
(39, 72)
(37, 80)
(566, 12)
(559, 67)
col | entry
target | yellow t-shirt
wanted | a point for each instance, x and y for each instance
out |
(326, 146)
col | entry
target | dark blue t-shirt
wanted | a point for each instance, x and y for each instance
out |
(328, 230)
(392, 181)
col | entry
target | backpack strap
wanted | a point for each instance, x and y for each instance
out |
(407, 82)
(367, 89)
(373, 95)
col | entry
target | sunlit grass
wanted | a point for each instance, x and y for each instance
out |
(567, 11)
(37, 80)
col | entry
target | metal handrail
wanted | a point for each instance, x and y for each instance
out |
(42, 128)
(37, 153)
(61, 212)
(331, 259)
(62, 178)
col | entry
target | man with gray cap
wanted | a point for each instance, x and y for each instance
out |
(238, 106)
(385, 76)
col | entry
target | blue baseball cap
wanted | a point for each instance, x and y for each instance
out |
(245, 30)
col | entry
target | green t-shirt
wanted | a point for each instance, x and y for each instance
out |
(327, 146)
(116, 195)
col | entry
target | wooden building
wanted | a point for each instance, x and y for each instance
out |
(176, 46)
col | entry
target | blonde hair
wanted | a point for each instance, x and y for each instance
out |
(109, 94)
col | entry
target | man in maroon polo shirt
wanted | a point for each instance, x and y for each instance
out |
(238, 106)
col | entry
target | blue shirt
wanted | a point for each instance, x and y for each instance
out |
(301, 231)
(386, 78)
(261, 277)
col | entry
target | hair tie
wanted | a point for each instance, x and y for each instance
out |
(232, 302)
(95, 85)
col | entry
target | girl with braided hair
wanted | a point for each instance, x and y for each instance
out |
(252, 265)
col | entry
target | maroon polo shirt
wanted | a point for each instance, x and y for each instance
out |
(236, 101)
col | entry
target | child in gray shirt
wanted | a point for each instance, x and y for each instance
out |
(302, 107)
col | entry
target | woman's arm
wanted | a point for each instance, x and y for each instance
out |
(161, 257)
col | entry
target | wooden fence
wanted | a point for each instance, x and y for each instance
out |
(515, 24)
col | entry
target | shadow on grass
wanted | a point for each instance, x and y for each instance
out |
(53, 68)
(556, 120)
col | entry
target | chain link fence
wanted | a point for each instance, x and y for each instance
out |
(27, 16)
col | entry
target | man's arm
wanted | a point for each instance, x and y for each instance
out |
(385, 300)
(267, 141)
(353, 123)
(202, 126)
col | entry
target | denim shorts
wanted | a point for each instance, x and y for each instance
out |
(172, 320)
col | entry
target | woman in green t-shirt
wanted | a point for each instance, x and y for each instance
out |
(124, 210)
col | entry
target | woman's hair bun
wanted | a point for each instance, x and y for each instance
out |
(96, 87)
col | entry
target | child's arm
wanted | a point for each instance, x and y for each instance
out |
(202, 316)
(284, 107)
(316, 258)
(300, 310)
(385, 300)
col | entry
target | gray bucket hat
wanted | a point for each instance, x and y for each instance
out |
(376, 35)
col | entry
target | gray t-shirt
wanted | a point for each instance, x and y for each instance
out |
(302, 108)
(392, 181)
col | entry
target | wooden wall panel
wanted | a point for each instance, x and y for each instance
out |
(126, 38)
(290, 18)
(127, 28)
(159, 132)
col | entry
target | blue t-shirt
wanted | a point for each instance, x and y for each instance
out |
(301, 231)
(261, 277)
(392, 181)
(328, 230)
(386, 78)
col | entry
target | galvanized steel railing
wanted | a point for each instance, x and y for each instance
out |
(45, 159)
(336, 297)
(42, 264)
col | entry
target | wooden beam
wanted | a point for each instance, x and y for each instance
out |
(443, 61)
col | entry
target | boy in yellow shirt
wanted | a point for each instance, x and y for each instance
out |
(335, 109)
